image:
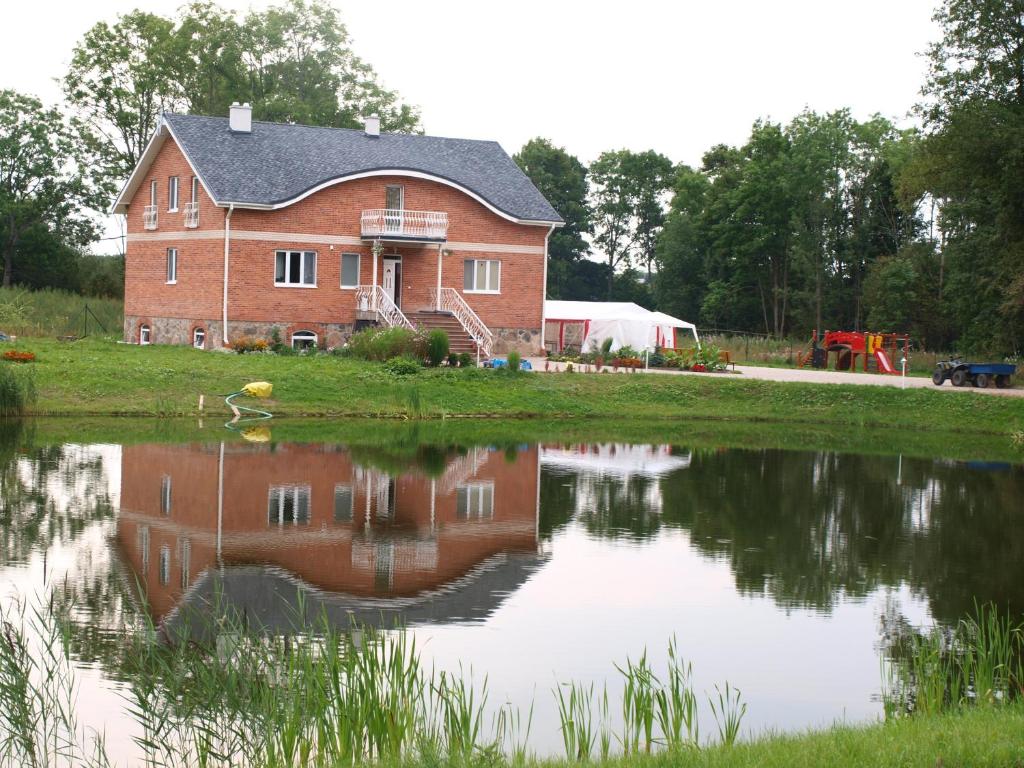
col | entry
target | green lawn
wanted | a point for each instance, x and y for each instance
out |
(975, 738)
(96, 377)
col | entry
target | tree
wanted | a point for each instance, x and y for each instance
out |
(42, 181)
(121, 78)
(626, 194)
(292, 62)
(970, 162)
(562, 179)
(652, 175)
(681, 248)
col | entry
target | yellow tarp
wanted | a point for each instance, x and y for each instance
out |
(258, 389)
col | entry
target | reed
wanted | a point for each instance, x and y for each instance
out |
(17, 390)
(728, 713)
(575, 711)
(676, 704)
(979, 662)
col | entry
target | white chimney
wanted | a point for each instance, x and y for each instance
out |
(373, 125)
(240, 118)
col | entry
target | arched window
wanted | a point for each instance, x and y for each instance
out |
(199, 338)
(303, 340)
(144, 334)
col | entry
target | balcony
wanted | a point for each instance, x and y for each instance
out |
(398, 224)
(149, 217)
(191, 215)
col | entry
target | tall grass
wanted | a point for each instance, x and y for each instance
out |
(17, 389)
(52, 312)
(979, 662)
(319, 697)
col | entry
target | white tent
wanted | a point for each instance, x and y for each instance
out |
(590, 322)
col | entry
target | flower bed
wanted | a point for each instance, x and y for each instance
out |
(14, 356)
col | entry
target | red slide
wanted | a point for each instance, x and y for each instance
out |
(883, 362)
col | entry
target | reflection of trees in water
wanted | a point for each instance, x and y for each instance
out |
(50, 496)
(808, 529)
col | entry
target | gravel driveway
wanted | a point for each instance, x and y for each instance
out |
(814, 376)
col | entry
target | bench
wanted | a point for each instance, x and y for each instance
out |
(726, 360)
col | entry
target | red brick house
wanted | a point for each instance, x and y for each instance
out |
(237, 227)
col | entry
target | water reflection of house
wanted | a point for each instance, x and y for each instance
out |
(595, 467)
(261, 522)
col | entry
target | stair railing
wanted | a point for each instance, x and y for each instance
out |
(449, 300)
(373, 298)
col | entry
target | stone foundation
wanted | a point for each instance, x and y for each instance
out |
(177, 330)
(525, 341)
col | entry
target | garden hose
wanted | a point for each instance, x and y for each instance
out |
(260, 389)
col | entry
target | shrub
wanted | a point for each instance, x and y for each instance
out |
(465, 360)
(382, 343)
(515, 360)
(453, 360)
(244, 344)
(709, 356)
(437, 346)
(402, 366)
(16, 392)
(276, 345)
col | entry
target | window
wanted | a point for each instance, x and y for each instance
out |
(474, 500)
(172, 194)
(195, 189)
(394, 198)
(350, 270)
(295, 268)
(165, 495)
(199, 338)
(143, 334)
(288, 504)
(186, 562)
(144, 547)
(152, 192)
(172, 266)
(165, 565)
(482, 276)
(303, 340)
(344, 502)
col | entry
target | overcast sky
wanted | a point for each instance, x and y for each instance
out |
(676, 77)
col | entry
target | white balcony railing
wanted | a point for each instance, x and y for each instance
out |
(373, 298)
(404, 225)
(191, 215)
(149, 217)
(449, 300)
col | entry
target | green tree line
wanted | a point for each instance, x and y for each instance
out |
(825, 221)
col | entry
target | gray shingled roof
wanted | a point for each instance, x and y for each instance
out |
(277, 162)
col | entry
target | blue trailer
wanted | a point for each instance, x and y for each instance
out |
(977, 374)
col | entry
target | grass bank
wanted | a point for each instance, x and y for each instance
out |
(97, 377)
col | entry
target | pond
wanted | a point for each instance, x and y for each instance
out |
(786, 573)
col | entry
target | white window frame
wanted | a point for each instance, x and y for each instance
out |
(199, 335)
(186, 562)
(359, 268)
(145, 335)
(165, 565)
(305, 336)
(152, 192)
(172, 266)
(165, 495)
(195, 189)
(475, 262)
(475, 494)
(172, 194)
(304, 256)
(345, 488)
(276, 499)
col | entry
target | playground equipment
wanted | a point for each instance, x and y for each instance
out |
(878, 352)
(978, 374)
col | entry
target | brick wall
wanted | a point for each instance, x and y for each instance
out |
(254, 299)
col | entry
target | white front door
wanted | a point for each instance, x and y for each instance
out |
(391, 277)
